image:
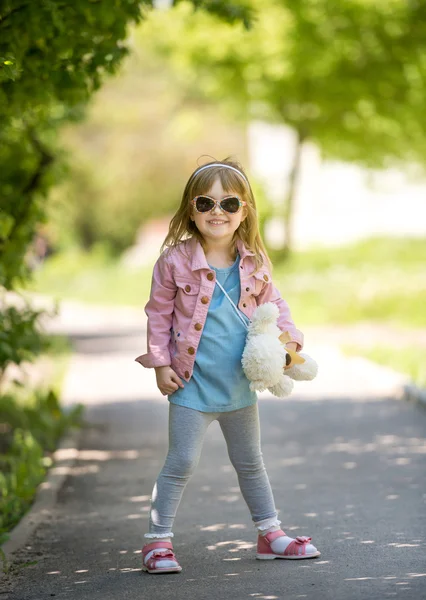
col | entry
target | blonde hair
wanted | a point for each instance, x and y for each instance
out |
(182, 227)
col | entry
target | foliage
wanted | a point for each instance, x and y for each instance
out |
(230, 12)
(361, 74)
(22, 471)
(60, 54)
(31, 425)
(20, 338)
(349, 75)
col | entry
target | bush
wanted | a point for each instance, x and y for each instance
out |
(31, 425)
(20, 338)
(22, 469)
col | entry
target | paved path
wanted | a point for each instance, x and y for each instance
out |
(346, 459)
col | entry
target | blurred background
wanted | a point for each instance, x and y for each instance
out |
(107, 108)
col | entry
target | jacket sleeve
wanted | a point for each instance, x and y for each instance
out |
(159, 311)
(270, 293)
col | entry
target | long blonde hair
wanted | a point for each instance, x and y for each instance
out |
(182, 227)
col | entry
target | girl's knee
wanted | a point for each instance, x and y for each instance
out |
(248, 464)
(181, 466)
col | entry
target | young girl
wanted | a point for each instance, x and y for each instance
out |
(195, 344)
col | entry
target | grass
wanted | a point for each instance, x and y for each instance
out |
(92, 278)
(375, 280)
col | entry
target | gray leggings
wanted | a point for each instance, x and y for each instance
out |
(187, 428)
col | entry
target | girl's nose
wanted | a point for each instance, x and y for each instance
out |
(216, 209)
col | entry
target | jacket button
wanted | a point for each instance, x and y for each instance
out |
(210, 276)
(204, 300)
(198, 326)
(266, 278)
(187, 288)
(191, 350)
(247, 289)
(187, 374)
(244, 304)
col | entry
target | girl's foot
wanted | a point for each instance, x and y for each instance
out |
(158, 557)
(276, 544)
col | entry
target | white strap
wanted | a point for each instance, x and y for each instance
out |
(236, 309)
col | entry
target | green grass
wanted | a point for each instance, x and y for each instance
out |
(92, 278)
(375, 280)
(404, 359)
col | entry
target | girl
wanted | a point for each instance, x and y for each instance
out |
(195, 344)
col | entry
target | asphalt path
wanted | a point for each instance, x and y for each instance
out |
(347, 468)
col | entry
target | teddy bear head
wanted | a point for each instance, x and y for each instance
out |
(264, 320)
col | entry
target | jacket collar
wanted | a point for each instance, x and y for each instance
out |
(199, 260)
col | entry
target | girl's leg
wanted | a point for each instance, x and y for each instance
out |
(186, 433)
(242, 433)
(241, 430)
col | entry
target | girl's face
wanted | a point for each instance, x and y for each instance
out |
(218, 225)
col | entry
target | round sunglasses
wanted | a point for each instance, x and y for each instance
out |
(229, 204)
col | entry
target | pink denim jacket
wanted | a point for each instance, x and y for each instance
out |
(181, 290)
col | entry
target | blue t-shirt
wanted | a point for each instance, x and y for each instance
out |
(218, 382)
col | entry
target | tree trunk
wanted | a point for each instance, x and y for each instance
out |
(290, 198)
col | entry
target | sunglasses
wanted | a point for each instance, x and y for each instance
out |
(229, 204)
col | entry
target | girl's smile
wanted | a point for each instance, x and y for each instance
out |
(217, 222)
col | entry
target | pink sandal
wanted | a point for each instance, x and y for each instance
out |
(295, 550)
(165, 555)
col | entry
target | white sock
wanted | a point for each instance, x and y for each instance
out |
(158, 539)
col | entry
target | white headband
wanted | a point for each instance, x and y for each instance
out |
(220, 165)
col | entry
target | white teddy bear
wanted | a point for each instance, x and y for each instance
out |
(265, 355)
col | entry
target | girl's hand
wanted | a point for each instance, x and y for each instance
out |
(167, 380)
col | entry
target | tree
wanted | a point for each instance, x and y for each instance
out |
(349, 76)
